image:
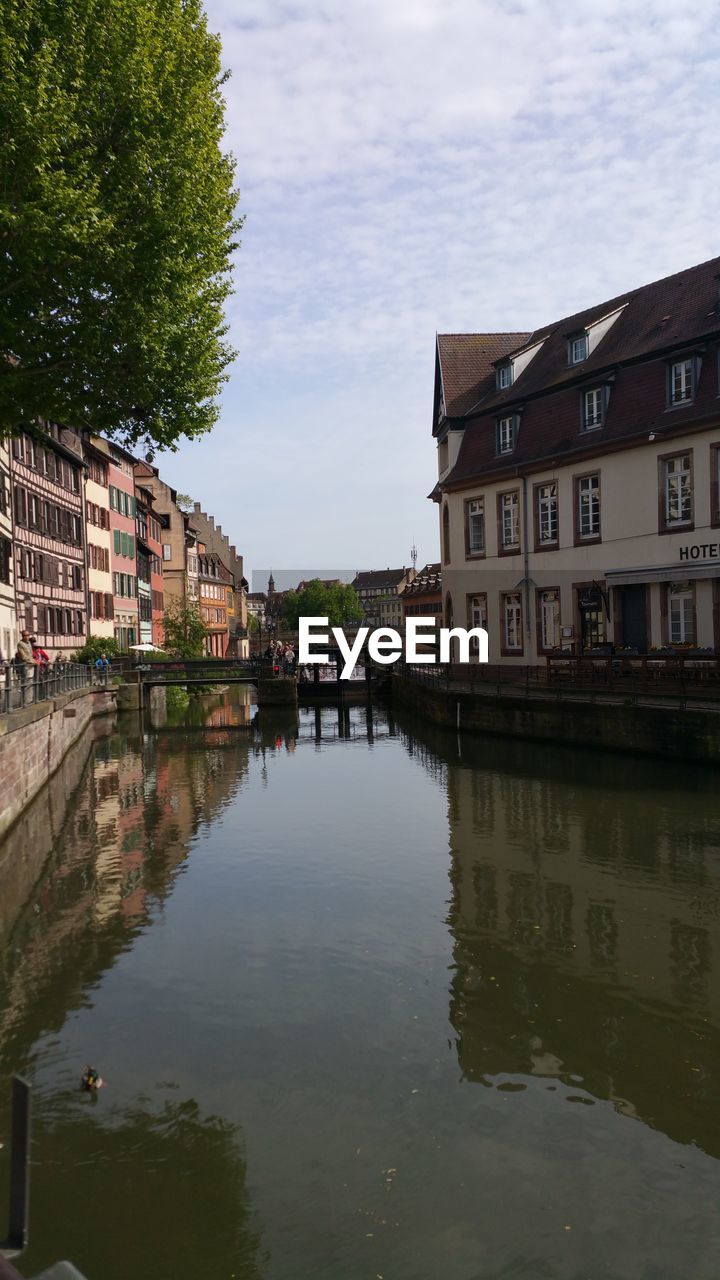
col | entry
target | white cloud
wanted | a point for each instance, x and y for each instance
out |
(441, 165)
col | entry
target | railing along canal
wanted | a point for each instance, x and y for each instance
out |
(23, 684)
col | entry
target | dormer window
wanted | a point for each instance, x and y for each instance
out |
(593, 408)
(504, 376)
(577, 348)
(682, 379)
(507, 433)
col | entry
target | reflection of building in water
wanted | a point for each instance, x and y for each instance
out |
(585, 914)
(99, 871)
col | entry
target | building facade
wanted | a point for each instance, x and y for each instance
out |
(8, 616)
(422, 598)
(216, 601)
(177, 537)
(380, 594)
(123, 550)
(217, 543)
(151, 603)
(101, 604)
(578, 493)
(49, 539)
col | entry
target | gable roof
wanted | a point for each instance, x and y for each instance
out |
(378, 579)
(467, 363)
(653, 322)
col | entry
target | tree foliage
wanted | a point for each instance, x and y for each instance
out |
(184, 629)
(339, 604)
(95, 646)
(117, 218)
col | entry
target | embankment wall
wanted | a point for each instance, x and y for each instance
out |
(692, 734)
(35, 741)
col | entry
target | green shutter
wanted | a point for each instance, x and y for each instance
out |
(131, 546)
(116, 536)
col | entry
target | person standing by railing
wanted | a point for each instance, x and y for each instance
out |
(26, 660)
(102, 666)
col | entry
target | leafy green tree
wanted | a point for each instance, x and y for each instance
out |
(339, 604)
(184, 629)
(117, 218)
(96, 645)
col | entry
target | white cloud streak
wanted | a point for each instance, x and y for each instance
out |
(434, 165)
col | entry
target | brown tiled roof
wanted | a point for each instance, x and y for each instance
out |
(466, 366)
(378, 579)
(428, 581)
(656, 320)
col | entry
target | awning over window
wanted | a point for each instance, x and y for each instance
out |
(680, 571)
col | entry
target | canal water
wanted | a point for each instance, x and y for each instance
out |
(370, 1001)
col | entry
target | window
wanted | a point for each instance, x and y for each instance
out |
(475, 526)
(715, 484)
(509, 510)
(593, 406)
(512, 622)
(477, 611)
(167, 551)
(546, 506)
(549, 619)
(681, 613)
(113, 498)
(5, 560)
(504, 376)
(682, 381)
(20, 506)
(445, 534)
(578, 348)
(677, 495)
(587, 512)
(506, 435)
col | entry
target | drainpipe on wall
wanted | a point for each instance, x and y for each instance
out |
(526, 559)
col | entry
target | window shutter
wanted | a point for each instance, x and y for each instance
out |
(116, 538)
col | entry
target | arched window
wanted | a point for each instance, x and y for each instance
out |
(446, 534)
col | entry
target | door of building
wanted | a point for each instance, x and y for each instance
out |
(634, 617)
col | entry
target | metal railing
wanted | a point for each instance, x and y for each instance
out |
(694, 677)
(26, 683)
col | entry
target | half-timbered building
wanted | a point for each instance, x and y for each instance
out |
(48, 539)
(8, 618)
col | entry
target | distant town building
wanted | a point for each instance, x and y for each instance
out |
(579, 476)
(422, 598)
(379, 592)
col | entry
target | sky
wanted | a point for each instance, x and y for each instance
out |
(409, 167)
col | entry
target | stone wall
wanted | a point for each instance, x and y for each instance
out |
(693, 734)
(35, 740)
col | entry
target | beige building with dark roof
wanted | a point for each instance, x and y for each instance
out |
(579, 495)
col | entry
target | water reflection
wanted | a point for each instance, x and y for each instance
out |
(88, 868)
(166, 1188)
(246, 917)
(584, 911)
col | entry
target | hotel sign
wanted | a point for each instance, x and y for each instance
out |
(701, 551)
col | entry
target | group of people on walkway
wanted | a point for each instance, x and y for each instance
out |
(282, 656)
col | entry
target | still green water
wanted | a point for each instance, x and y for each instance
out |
(369, 1002)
